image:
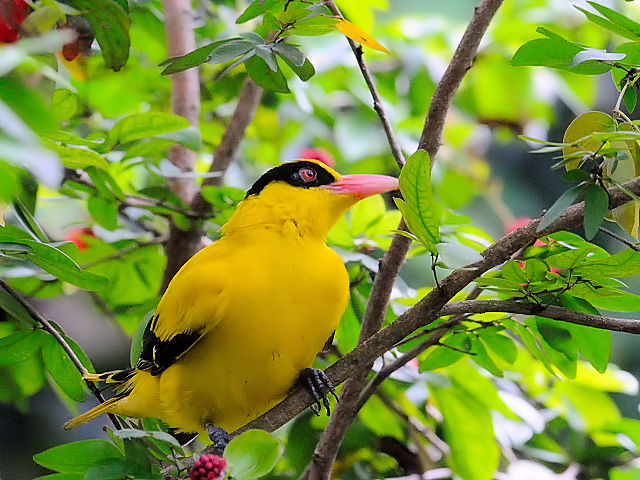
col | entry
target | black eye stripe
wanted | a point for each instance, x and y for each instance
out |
(290, 173)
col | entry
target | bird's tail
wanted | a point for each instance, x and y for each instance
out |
(93, 413)
(115, 376)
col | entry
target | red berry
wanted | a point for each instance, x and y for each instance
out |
(12, 14)
(318, 154)
(208, 467)
(75, 235)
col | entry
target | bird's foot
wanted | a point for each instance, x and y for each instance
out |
(218, 436)
(320, 387)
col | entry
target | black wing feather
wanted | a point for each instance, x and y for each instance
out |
(158, 355)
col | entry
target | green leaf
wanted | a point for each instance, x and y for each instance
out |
(630, 99)
(28, 221)
(62, 369)
(418, 207)
(468, 430)
(81, 158)
(104, 212)
(191, 59)
(290, 52)
(64, 104)
(560, 205)
(61, 266)
(129, 433)
(252, 454)
(593, 343)
(19, 346)
(566, 364)
(137, 458)
(569, 259)
(623, 264)
(535, 270)
(265, 77)
(512, 271)
(532, 345)
(109, 469)
(144, 125)
(501, 345)
(608, 24)
(267, 55)
(230, 50)
(110, 24)
(617, 18)
(545, 52)
(258, 7)
(441, 356)
(305, 72)
(77, 457)
(595, 208)
(558, 337)
(105, 183)
(468, 379)
(482, 358)
(578, 136)
(624, 473)
(14, 308)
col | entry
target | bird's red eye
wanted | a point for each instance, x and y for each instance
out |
(307, 174)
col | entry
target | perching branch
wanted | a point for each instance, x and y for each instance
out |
(331, 438)
(39, 318)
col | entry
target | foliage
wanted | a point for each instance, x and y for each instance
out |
(86, 204)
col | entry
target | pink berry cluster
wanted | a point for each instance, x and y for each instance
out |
(208, 467)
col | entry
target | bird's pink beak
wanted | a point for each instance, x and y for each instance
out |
(363, 186)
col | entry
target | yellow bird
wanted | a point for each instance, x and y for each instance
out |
(245, 317)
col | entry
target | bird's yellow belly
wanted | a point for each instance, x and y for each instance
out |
(268, 335)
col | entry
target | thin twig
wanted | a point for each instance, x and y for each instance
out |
(39, 318)
(621, 239)
(125, 251)
(377, 101)
(432, 340)
(415, 425)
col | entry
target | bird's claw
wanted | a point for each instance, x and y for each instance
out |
(319, 386)
(219, 436)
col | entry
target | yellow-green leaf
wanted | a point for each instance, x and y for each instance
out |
(579, 132)
(359, 35)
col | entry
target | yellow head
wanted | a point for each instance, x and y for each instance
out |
(303, 197)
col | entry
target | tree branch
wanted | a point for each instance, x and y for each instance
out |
(46, 325)
(626, 325)
(331, 438)
(185, 89)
